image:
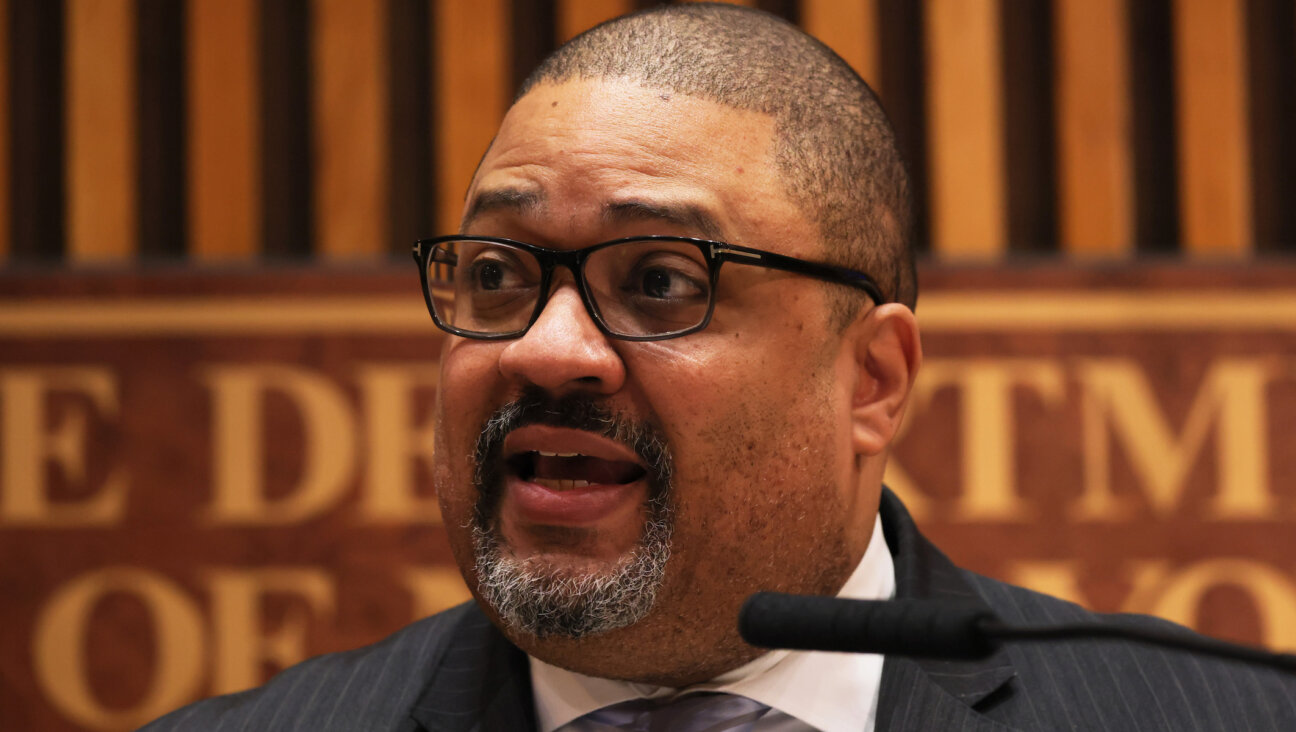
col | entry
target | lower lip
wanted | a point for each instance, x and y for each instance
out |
(536, 504)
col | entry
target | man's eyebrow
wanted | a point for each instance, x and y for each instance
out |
(688, 216)
(510, 200)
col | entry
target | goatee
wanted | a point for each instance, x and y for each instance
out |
(533, 596)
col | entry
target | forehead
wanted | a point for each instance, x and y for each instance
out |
(584, 158)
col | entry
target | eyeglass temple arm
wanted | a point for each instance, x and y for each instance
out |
(828, 272)
(439, 256)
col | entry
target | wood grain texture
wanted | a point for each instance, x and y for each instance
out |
(965, 129)
(1093, 122)
(224, 141)
(850, 29)
(577, 16)
(1210, 80)
(350, 126)
(471, 67)
(101, 131)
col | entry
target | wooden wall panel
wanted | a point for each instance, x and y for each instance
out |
(224, 142)
(1271, 53)
(1093, 124)
(411, 125)
(965, 129)
(295, 128)
(576, 16)
(101, 130)
(850, 29)
(1210, 79)
(4, 130)
(161, 203)
(472, 66)
(350, 128)
(287, 153)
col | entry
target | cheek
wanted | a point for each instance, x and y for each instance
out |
(760, 473)
(464, 401)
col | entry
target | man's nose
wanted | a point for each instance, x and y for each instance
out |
(564, 350)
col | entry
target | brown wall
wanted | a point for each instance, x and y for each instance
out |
(214, 130)
(206, 477)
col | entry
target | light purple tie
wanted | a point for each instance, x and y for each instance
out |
(701, 712)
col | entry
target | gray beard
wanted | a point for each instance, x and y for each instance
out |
(531, 596)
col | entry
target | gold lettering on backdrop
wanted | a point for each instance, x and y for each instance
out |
(1177, 594)
(240, 443)
(395, 443)
(59, 636)
(240, 643)
(987, 427)
(1119, 405)
(27, 447)
(434, 589)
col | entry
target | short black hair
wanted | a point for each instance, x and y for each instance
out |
(834, 144)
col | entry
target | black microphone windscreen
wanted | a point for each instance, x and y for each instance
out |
(928, 628)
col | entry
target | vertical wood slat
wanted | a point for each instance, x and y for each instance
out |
(223, 141)
(286, 133)
(1210, 79)
(577, 16)
(902, 81)
(965, 126)
(161, 201)
(101, 133)
(1154, 146)
(472, 70)
(850, 29)
(37, 216)
(411, 126)
(4, 130)
(1093, 122)
(1271, 53)
(533, 33)
(350, 122)
(1030, 126)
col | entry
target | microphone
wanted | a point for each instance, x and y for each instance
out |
(942, 629)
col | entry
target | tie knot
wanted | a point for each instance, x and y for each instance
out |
(700, 712)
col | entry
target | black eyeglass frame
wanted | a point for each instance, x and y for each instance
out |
(715, 253)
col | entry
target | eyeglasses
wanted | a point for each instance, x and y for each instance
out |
(647, 288)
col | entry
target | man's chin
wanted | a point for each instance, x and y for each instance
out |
(564, 594)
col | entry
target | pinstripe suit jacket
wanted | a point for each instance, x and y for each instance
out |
(455, 672)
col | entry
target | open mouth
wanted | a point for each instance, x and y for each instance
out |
(564, 471)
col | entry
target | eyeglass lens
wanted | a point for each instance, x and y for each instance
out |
(639, 288)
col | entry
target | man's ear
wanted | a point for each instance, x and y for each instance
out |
(888, 352)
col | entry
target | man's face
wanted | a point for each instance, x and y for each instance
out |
(737, 438)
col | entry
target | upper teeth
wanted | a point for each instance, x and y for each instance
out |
(558, 454)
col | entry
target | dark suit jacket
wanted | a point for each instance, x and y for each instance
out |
(455, 671)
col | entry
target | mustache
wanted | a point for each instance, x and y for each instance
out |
(575, 411)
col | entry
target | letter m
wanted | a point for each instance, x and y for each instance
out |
(1119, 407)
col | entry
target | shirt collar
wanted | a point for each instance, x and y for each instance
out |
(829, 691)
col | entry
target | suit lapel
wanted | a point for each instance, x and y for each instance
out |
(922, 693)
(480, 682)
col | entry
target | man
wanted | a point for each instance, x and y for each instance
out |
(683, 341)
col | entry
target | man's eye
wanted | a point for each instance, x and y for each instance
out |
(489, 274)
(666, 284)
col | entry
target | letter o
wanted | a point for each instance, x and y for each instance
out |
(59, 640)
(1273, 592)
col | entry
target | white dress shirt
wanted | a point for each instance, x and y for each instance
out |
(831, 692)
